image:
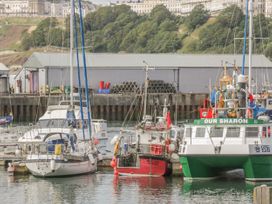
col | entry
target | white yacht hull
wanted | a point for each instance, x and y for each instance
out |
(43, 167)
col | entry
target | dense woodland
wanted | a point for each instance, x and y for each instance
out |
(118, 29)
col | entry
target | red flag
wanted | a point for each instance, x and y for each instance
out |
(250, 97)
(168, 120)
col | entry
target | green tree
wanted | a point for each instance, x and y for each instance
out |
(231, 17)
(55, 37)
(168, 25)
(26, 43)
(197, 17)
(160, 13)
(164, 42)
(268, 51)
(104, 15)
(38, 38)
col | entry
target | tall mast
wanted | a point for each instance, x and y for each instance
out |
(146, 86)
(71, 52)
(250, 44)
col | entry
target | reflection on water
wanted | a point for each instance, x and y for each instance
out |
(103, 187)
(218, 191)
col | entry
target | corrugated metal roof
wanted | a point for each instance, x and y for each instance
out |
(121, 60)
(3, 67)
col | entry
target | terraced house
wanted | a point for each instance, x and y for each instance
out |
(184, 7)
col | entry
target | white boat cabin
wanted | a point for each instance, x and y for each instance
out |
(227, 131)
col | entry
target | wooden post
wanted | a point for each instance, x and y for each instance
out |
(119, 112)
(262, 195)
(27, 116)
(94, 111)
(113, 113)
(34, 113)
(1, 110)
(5, 110)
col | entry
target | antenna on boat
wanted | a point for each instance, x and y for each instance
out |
(250, 44)
(147, 68)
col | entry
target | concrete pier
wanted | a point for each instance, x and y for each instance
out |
(112, 107)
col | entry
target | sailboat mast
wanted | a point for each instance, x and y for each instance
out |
(145, 87)
(71, 52)
(250, 45)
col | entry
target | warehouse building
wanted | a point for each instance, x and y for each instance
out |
(4, 79)
(189, 73)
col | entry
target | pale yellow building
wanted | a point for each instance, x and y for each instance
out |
(184, 7)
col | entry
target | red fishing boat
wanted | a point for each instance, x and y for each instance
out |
(146, 150)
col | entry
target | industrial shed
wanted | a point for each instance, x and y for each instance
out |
(188, 72)
(4, 79)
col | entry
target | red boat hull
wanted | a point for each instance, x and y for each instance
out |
(149, 166)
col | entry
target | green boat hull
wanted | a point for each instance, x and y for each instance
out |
(256, 168)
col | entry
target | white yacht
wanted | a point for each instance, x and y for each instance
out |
(55, 120)
(55, 147)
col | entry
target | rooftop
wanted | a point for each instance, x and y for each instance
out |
(3, 68)
(132, 61)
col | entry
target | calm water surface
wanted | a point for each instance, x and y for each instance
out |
(103, 187)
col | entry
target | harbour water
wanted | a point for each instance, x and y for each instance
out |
(104, 187)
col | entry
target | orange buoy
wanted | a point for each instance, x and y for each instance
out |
(113, 162)
(96, 141)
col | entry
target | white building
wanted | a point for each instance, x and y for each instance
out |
(57, 9)
(268, 8)
(41, 7)
(184, 7)
(47, 7)
(15, 7)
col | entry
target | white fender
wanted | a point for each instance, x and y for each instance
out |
(52, 165)
(18, 152)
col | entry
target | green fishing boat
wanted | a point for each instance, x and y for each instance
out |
(233, 131)
(212, 146)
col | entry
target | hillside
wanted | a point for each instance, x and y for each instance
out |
(11, 32)
(118, 29)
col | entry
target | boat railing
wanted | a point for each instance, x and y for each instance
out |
(45, 149)
(218, 109)
(153, 149)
